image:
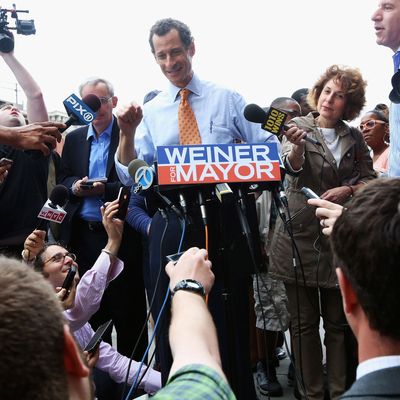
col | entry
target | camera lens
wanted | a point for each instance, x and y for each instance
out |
(6, 43)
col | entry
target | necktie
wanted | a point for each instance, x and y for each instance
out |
(396, 61)
(188, 129)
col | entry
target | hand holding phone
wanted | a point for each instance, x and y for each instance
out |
(309, 193)
(174, 257)
(124, 196)
(4, 162)
(88, 184)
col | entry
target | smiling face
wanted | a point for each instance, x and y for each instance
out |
(56, 264)
(173, 58)
(387, 23)
(331, 103)
(11, 116)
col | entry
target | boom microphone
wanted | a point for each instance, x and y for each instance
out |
(272, 121)
(81, 112)
(52, 209)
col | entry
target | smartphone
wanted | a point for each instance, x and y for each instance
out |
(124, 196)
(5, 161)
(309, 193)
(174, 257)
(89, 183)
(69, 279)
(93, 180)
(94, 342)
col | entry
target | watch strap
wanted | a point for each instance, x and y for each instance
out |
(189, 285)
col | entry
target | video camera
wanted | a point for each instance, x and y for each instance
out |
(23, 27)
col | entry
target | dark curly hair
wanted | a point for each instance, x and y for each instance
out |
(352, 84)
(366, 246)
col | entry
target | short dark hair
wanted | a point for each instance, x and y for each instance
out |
(366, 245)
(31, 336)
(299, 93)
(164, 26)
(353, 86)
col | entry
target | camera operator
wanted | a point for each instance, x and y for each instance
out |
(24, 190)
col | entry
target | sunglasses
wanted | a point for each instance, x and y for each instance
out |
(61, 257)
(371, 124)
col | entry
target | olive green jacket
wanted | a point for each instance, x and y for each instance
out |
(319, 173)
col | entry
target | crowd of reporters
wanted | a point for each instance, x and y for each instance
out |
(312, 270)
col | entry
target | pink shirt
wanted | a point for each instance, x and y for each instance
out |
(87, 301)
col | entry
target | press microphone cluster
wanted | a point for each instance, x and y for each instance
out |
(272, 121)
(52, 210)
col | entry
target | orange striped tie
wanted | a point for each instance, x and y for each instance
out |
(188, 129)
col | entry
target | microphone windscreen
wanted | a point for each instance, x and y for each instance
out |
(92, 101)
(59, 195)
(254, 113)
(134, 165)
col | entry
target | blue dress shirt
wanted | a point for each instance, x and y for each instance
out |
(219, 115)
(90, 210)
(394, 124)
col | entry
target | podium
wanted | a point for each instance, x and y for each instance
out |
(192, 178)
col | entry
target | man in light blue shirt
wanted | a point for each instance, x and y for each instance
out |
(387, 28)
(89, 153)
(219, 116)
(218, 110)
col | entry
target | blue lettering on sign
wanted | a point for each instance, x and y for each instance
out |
(221, 153)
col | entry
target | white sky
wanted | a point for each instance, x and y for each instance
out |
(261, 48)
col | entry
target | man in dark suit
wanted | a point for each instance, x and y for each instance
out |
(89, 153)
(369, 278)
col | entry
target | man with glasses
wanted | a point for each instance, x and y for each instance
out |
(387, 29)
(54, 261)
(89, 153)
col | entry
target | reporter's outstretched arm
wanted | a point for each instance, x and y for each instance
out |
(192, 334)
(36, 108)
(113, 226)
(37, 136)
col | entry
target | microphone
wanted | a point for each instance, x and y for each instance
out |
(272, 121)
(81, 112)
(143, 177)
(52, 209)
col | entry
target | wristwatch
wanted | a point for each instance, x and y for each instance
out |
(190, 285)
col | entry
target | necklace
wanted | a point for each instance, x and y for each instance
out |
(325, 136)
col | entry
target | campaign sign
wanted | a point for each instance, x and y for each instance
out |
(215, 163)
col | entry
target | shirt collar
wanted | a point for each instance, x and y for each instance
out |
(194, 86)
(377, 363)
(91, 133)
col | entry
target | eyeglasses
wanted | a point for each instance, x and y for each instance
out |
(104, 100)
(371, 124)
(61, 257)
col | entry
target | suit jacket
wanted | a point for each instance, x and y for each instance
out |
(381, 384)
(75, 165)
